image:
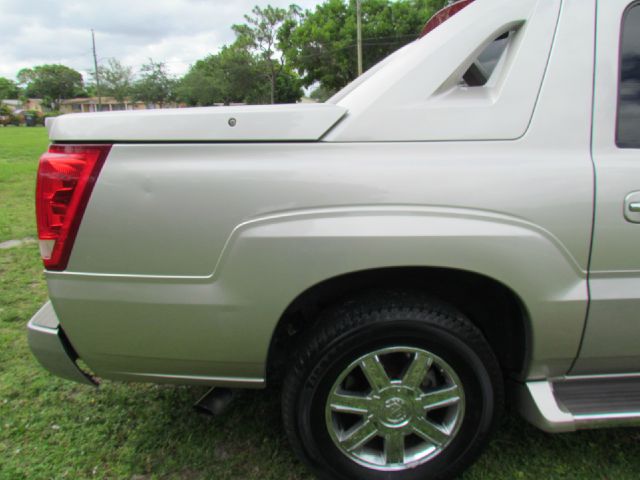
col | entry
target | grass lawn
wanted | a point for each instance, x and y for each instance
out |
(51, 428)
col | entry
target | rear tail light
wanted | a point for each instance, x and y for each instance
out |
(66, 176)
(443, 15)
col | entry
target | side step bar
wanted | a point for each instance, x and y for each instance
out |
(575, 403)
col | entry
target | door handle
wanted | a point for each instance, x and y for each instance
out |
(632, 207)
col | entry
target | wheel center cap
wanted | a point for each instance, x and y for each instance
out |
(395, 411)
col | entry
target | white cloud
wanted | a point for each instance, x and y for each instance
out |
(178, 32)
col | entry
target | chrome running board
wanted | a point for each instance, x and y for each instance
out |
(573, 403)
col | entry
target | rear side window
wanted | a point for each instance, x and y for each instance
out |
(482, 68)
(628, 128)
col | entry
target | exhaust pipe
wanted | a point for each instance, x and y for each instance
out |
(215, 401)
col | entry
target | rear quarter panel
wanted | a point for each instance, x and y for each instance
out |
(188, 254)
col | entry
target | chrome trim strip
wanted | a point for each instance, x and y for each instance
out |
(600, 376)
(606, 420)
(200, 378)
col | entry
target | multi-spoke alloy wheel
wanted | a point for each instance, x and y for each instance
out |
(392, 385)
(395, 408)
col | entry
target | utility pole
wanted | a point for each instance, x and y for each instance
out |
(359, 35)
(95, 66)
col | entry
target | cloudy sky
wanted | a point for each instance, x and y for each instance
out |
(178, 32)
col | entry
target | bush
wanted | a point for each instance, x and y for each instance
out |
(38, 118)
(51, 114)
(7, 117)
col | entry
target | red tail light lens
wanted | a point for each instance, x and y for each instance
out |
(443, 15)
(66, 176)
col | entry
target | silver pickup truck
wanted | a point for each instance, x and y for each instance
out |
(455, 230)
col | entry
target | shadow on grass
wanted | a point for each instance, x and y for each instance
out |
(172, 441)
(169, 439)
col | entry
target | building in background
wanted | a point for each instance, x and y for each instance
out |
(83, 105)
(108, 104)
(19, 106)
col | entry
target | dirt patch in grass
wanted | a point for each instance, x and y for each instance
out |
(16, 243)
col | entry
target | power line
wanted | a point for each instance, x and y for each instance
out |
(328, 51)
(366, 42)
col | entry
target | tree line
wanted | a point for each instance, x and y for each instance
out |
(276, 53)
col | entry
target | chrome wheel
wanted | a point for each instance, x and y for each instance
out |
(395, 408)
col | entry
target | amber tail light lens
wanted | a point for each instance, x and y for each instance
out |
(66, 176)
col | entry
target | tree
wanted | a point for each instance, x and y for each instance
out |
(288, 86)
(199, 86)
(322, 45)
(321, 94)
(155, 84)
(228, 76)
(260, 36)
(8, 89)
(116, 80)
(235, 75)
(52, 83)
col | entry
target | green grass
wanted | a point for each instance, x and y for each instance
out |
(53, 429)
(20, 149)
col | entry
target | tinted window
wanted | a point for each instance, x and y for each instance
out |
(482, 68)
(628, 130)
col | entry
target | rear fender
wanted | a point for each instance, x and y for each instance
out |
(217, 329)
(272, 260)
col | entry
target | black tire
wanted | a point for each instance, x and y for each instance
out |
(368, 324)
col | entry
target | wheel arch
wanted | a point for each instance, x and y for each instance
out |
(494, 308)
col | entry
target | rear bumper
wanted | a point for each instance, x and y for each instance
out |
(50, 346)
